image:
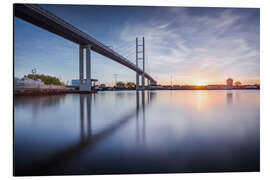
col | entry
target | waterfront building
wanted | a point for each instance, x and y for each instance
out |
(229, 82)
(27, 83)
(76, 82)
(216, 86)
(102, 85)
(156, 87)
(251, 87)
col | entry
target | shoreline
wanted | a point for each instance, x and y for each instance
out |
(49, 92)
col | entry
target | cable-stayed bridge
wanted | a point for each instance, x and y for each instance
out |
(46, 20)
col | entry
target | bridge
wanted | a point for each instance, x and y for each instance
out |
(48, 21)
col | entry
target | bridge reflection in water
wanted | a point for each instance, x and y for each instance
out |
(87, 138)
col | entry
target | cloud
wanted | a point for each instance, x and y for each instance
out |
(188, 43)
(199, 45)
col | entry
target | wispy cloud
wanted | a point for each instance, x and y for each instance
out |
(187, 43)
(212, 47)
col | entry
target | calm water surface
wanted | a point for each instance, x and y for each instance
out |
(129, 132)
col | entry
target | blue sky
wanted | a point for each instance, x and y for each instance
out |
(193, 45)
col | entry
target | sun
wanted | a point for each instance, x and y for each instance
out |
(200, 83)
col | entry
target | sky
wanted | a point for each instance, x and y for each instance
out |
(185, 45)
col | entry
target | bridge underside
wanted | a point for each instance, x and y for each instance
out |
(42, 18)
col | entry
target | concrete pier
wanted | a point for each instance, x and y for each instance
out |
(85, 85)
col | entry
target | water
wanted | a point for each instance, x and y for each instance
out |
(129, 132)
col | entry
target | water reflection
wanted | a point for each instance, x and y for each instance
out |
(140, 132)
(39, 103)
(85, 132)
(87, 139)
(137, 116)
(143, 114)
(229, 98)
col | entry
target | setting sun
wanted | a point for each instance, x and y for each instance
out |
(200, 83)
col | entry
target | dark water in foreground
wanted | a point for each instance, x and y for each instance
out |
(125, 132)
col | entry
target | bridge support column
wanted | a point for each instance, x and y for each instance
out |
(137, 74)
(81, 64)
(88, 66)
(85, 85)
(143, 82)
(143, 66)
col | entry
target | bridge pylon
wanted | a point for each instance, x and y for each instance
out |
(85, 84)
(142, 57)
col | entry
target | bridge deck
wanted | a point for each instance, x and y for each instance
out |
(42, 18)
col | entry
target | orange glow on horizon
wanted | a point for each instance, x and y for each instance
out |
(205, 82)
(200, 82)
(205, 79)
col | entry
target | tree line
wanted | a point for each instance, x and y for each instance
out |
(46, 79)
(128, 85)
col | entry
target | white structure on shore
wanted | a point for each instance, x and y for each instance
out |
(27, 83)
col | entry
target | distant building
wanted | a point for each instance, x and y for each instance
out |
(156, 87)
(251, 87)
(216, 86)
(102, 86)
(187, 87)
(76, 82)
(27, 83)
(229, 82)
